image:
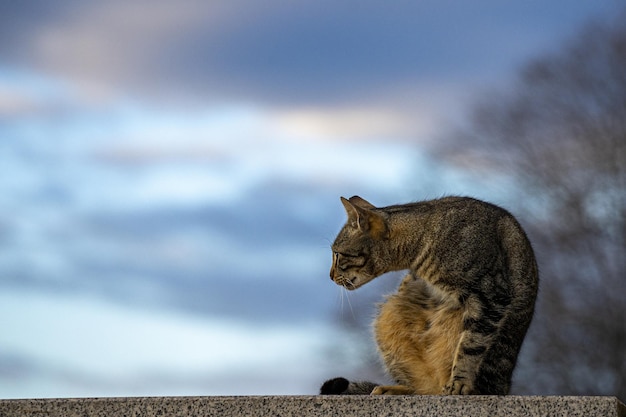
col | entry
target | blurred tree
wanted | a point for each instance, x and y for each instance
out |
(560, 133)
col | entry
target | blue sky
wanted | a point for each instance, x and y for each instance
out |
(170, 175)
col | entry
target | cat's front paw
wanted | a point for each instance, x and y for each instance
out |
(392, 390)
(458, 387)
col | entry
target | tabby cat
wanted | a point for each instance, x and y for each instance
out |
(457, 322)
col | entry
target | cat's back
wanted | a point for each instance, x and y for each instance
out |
(452, 220)
(450, 208)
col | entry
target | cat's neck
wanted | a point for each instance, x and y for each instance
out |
(406, 239)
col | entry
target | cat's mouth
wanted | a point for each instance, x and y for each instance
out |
(349, 283)
(350, 280)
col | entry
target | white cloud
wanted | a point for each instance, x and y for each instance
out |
(138, 156)
(350, 123)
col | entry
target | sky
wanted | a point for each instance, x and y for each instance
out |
(170, 175)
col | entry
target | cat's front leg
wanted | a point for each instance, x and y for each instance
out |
(463, 375)
(468, 357)
(481, 322)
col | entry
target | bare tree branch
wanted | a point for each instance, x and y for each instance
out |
(561, 133)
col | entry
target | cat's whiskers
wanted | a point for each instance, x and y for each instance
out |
(341, 296)
(345, 292)
(340, 300)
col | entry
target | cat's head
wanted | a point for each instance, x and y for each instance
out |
(358, 250)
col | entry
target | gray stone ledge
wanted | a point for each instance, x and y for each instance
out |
(491, 406)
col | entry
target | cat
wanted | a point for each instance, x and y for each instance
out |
(456, 324)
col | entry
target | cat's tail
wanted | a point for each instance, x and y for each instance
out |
(341, 386)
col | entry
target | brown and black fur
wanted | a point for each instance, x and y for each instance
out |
(458, 319)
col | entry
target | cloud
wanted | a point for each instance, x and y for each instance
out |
(352, 123)
(26, 93)
(281, 52)
(14, 102)
(151, 211)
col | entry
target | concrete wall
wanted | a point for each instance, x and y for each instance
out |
(318, 406)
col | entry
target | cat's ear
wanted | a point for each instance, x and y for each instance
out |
(358, 201)
(362, 217)
(353, 215)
